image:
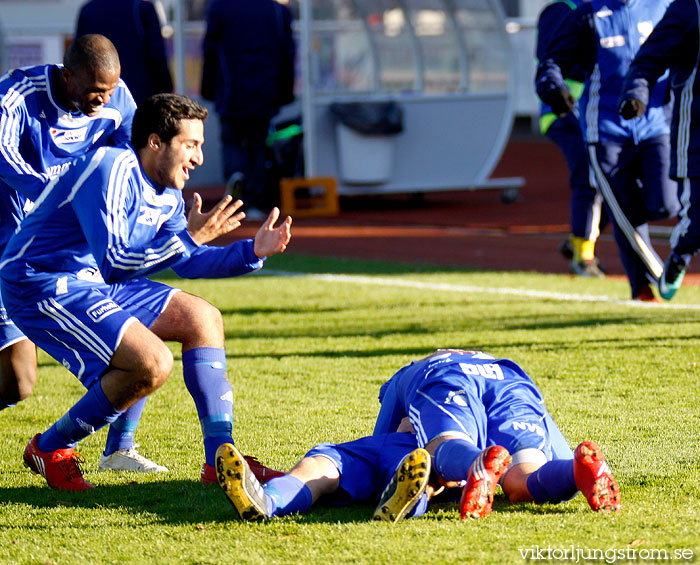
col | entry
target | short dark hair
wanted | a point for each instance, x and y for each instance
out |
(91, 52)
(161, 114)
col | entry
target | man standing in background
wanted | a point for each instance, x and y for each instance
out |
(586, 203)
(135, 29)
(674, 44)
(248, 72)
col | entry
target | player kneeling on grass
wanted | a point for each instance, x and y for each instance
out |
(74, 280)
(483, 420)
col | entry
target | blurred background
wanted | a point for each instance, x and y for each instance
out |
(460, 70)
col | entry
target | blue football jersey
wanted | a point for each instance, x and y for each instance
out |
(104, 216)
(476, 366)
(39, 138)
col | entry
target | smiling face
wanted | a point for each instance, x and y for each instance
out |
(89, 91)
(170, 163)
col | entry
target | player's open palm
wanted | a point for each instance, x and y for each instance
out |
(271, 240)
(220, 220)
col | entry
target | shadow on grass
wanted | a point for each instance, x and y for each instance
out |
(602, 344)
(166, 502)
(188, 502)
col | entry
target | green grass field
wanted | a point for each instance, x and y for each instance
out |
(306, 356)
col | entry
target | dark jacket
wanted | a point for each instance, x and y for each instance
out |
(248, 58)
(602, 37)
(673, 44)
(134, 28)
(549, 24)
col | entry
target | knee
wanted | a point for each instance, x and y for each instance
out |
(214, 317)
(208, 324)
(156, 367)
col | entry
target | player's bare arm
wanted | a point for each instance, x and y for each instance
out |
(271, 240)
(220, 220)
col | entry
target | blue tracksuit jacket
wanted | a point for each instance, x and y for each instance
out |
(549, 25)
(674, 44)
(104, 213)
(602, 37)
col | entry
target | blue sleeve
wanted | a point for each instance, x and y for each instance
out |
(219, 262)
(127, 107)
(549, 25)
(208, 261)
(671, 44)
(573, 46)
(108, 204)
(14, 169)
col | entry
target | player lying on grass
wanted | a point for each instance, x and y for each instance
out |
(473, 403)
(340, 473)
(462, 404)
(74, 279)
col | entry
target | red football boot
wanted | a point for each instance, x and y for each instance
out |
(262, 473)
(595, 479)
(60, 468)
(482, 478)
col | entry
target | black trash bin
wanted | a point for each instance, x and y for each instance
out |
(365, 133)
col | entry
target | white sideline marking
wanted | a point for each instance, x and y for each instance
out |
(358, 279)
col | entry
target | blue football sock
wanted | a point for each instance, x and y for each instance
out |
(204, 370)
(420, 508)
(92, 412)
(553, 482)
(4, 405)
(453, 458)
(287, 495)
(121, 432)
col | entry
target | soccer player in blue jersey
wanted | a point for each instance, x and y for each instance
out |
(468, 410)
(49, 115)
(483, 420)
(73, 277)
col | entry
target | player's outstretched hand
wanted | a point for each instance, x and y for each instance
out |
(220, 220)
(271, 240)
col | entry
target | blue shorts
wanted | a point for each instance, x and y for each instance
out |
(366, 465)
(508, 412)
(83, 327)
(9, 332)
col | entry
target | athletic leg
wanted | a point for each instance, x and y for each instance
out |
(685, 239)
(292, 493)
(199, 327)
(17, 372)
(345, 472)
(116, 358)
(613, 166)
(585, 203)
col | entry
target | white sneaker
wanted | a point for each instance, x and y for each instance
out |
(129, 460)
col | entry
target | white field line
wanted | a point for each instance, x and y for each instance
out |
(541, 294)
